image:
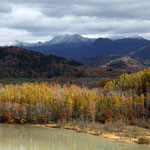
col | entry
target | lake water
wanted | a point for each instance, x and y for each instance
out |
(22, 137)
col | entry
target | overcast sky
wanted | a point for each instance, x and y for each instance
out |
(40, 20)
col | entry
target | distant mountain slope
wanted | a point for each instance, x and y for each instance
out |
(73, 51)
(117, 62)
(99, 60)
(105, 47)
(78, 47)
(143, 52)
(17, 62)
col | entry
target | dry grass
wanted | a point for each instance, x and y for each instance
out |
(116, 126)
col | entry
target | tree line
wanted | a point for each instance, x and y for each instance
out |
(126, 98)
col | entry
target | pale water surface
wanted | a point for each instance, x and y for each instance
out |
(21, 137)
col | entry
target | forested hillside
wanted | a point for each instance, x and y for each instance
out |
(17, 62)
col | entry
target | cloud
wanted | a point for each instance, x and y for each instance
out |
(8, 35)
(42, 19)
(4, 7)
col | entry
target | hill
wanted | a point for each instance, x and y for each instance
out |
(18, 62)
(117, 62)
(126, 62)
(20, 65)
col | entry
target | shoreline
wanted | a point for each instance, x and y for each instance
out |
(95, 132)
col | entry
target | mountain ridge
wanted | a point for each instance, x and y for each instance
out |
(78, 47)
(60, 39)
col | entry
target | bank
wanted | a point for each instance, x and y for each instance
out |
(120, 136)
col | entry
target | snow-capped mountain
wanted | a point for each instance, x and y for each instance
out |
(66, 39)
(76, 39)
(14, 43)
(23, 44)
(63, 39)
(136, 36)
(78, 47)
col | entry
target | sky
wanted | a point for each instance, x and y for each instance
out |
(40, 20)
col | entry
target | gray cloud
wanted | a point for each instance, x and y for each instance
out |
(32, 20)
(5, 7)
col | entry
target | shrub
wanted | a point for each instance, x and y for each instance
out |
(143, 123)
(143, 140)
(116, 126)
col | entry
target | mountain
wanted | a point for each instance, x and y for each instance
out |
(24, 44)
(117, 62)
(143, 52)
(69, 39)
(99, 60)
(18, 62)
(105, 47)
(77, 47)
(63, 39)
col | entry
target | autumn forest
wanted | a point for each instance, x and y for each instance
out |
(124, 98)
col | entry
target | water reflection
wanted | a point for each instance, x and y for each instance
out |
(17, 137)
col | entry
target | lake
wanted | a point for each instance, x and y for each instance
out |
(24, 137)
